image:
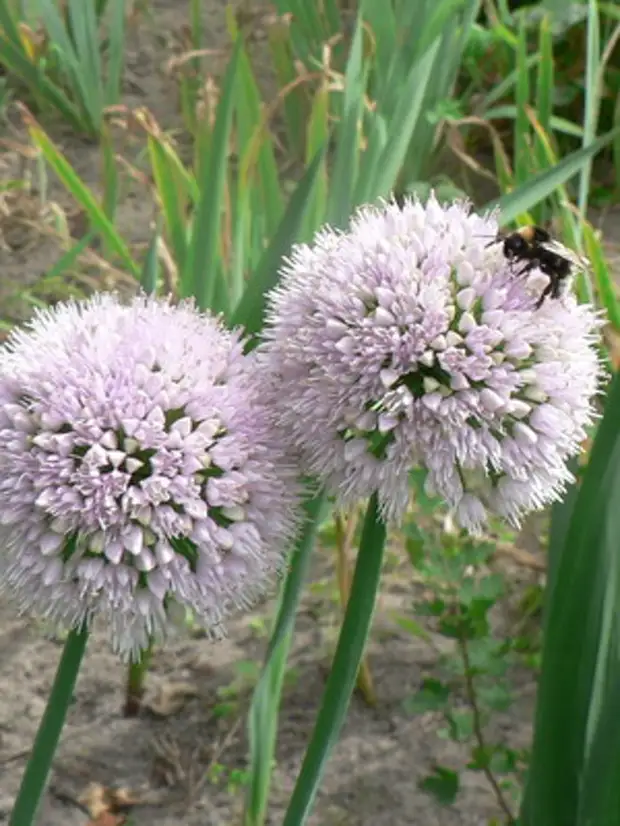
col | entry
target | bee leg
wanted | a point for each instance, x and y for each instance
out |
(528, 267)
(551, 289)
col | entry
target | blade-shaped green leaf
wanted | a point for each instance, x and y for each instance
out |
(263, 715)
(404, 122)
(343, 674)
(592, 88)
(15, 60)
(575, 620)
(150, 268)
(506, 85)
(346, 157)
(200, 274)
(521, 131)
(603, 275)
(543, 184)
(295, 107)
(435, 26)
(317, 136)
(255, 147)
(600, 791)
(77, 75)
(87, 51)
(70, 257)
(173, 195)
(561, 515)
(82, 194)
(250, 311)
(116, 52)
(544, 77)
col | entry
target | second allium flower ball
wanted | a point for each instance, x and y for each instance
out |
(138, 469)
(410, 341)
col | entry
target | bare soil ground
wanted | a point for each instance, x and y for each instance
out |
(166, 756)
(169, 755)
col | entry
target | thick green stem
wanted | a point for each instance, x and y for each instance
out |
(135, 683)
(263, 715)
(46, 741)
(345, 666)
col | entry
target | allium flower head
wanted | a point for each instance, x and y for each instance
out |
(139, 473)
(410, 340)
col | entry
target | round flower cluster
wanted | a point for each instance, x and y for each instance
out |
(139, 472)
(410, 340)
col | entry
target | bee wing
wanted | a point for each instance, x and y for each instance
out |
(578, 261)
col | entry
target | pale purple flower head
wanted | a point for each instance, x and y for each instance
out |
(409, 340)
(139, 472)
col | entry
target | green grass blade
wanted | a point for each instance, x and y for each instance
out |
(561, 515)
(241, 232)
(600, 796)
(332, 16)
(9, 25)
(150, 268)
(440, 85)
(263, 715)
(263, 732)
(75, 74)
(17, 62)
(317, 137)
(70, 257)
(616, 146)
(521, 129)
(110, 173)
(300, 35)
(256, 149)
(543, 110)
(345, 666)
(250, 311)
(82, 194)
(544, 77)
(558, 124)
(116, 52)
(369, 171)
(172, 195)
(574, 623)
(603, 277)
(295, 108)
(383, 23)
(60, 37)
(437, 22)
(314, 510)
(346, 156)
(506, 85)
(592, 99)
(403, 124)
(307, 28)
(471, 13)
(87, 49)
(609, 9)
(542, 185)
(201, 272)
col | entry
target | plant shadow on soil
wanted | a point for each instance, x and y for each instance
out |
(168, 760)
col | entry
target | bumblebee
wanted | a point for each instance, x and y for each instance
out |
(535, 248)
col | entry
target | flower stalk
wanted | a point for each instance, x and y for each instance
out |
(136, 676)
(345, 533)
(45, 744)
